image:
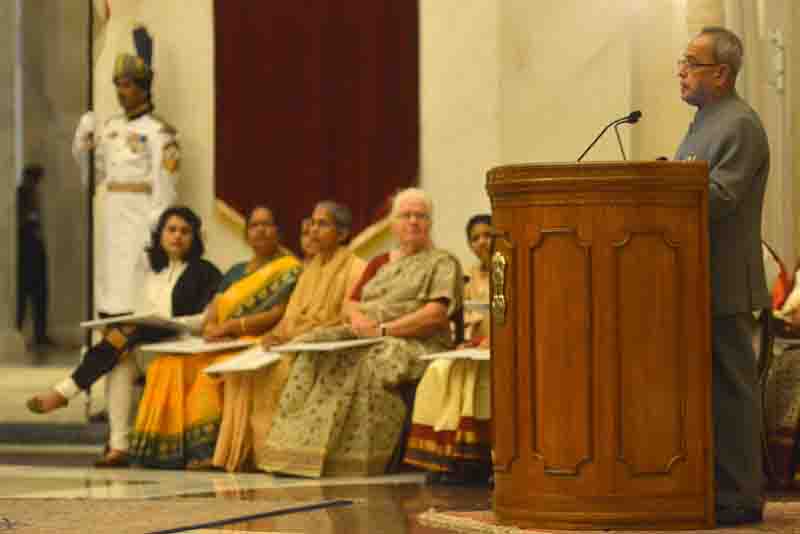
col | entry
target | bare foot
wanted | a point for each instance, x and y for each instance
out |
(200, 465)
(47, 402)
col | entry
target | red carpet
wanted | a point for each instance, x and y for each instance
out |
(782, 517)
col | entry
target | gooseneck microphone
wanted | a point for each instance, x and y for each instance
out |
(632, 118)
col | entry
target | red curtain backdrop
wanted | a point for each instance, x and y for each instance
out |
(316, 100)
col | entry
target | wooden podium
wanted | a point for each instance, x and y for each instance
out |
(601, 353)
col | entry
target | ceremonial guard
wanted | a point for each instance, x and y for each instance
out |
(137, 157)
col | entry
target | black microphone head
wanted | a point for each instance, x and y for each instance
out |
(634, 117)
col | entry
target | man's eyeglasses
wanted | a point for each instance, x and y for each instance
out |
(690, 64)
(408, 215)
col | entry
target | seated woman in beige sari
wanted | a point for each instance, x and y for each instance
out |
(450, 433)
(339, 413)
(318, 300)
(181, 408)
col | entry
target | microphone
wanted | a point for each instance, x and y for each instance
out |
(632, 118)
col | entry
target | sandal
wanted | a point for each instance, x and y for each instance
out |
(113, 458)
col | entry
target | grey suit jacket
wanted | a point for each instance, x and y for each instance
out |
(730, 137)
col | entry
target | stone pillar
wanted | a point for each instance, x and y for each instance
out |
(12, 349)
(56, 80)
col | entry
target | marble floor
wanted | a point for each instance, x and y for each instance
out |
(387, 504)
(48, 484)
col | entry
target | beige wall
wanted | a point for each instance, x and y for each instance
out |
(570, 67)
(660, 34)
(459, 111)
(514, 81)
(565, 74)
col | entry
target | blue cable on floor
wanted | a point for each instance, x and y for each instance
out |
(280, 511)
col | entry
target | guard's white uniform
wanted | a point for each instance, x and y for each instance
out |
(138, 159)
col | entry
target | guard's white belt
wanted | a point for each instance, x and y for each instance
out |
(129, 187)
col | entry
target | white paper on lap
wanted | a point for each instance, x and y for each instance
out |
(142, 319)
(327, 346)
(460, 354)
(196, 345)
(249, 360)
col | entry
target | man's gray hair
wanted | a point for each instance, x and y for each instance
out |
(342, 216)
(412, 193)
(727, 49)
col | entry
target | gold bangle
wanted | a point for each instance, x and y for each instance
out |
(242, 324)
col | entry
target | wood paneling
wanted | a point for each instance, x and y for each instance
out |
(648, 291)
(601, 370)
(560, 350)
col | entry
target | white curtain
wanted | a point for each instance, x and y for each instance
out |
(764, 25)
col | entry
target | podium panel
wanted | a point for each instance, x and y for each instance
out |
(601, 355)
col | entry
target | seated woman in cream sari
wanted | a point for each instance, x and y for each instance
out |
(450, 433)
(181, 408)
(318, 300)
(339, 413)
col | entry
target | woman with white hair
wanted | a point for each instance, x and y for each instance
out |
(339, 413)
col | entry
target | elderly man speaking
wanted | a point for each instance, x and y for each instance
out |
(728, 134)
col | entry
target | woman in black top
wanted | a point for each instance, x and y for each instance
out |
(180, 285)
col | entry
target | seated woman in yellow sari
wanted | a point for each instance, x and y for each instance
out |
(339, 413)
(250, 397)
(450, 434)
(181, 408)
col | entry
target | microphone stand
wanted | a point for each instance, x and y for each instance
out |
(619, 140)
(632, 118)
(596, 139)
